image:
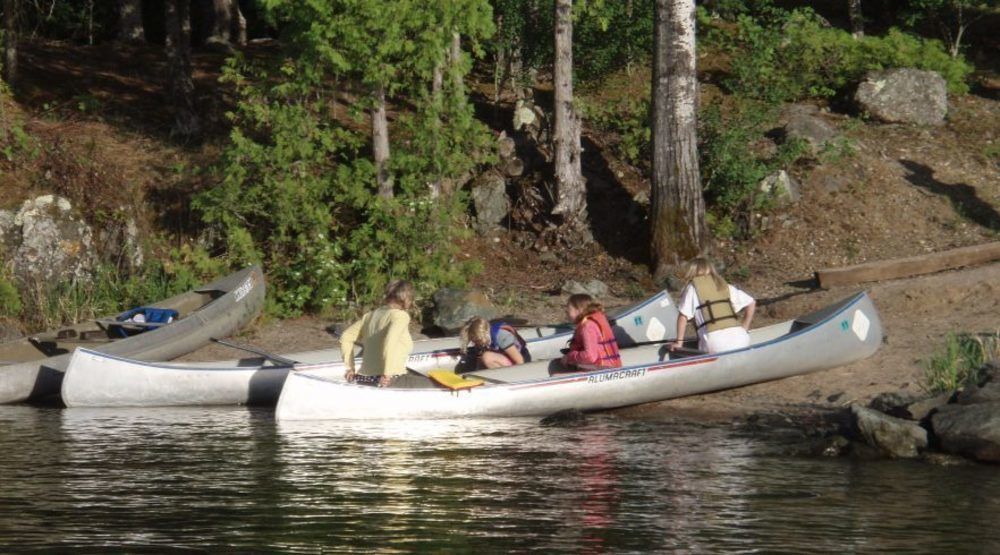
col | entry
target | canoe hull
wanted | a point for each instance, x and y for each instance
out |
(850, 333)
(98, 380)
(235, 301)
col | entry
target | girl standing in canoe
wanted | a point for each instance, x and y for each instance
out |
(593, 345)
(385, 339)
(714, 305)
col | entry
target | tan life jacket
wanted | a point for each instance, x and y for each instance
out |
(716, 310)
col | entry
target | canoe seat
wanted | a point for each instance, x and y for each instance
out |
(453, 381)
(138, 320)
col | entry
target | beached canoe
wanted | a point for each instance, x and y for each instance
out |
(33, 367)
(837, 335)
(95, 379)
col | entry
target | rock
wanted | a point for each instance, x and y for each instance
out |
(47, 242)
(920, 410)
(10, 329)
(120, 240)
(489, 197)
(833, 446)
(781, 188)
(989, 392)
(505, 146)
(806, 126)
(548, 256)
(595, 288)
(904, 96)
(453, 307)
(892, 403)
(969, 430)
(569, 418)
(893, 437)
(835, 397)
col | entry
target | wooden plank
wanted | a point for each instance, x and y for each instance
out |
(912, 266)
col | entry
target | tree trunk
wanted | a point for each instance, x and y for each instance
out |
(239, 30)
(10, 42)
(678, 208)
(180, 85)
(222, 21)
(454, 59)
(857, 19)
(380, 143)
(570, 190)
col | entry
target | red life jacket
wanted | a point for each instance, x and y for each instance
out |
(610, 357)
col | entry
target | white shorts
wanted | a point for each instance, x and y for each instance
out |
(728, 339)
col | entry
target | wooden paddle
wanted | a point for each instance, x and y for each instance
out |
(270, 356)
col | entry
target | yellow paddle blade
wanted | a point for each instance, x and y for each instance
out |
(452, 380)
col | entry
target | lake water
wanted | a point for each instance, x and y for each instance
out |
(232, 479)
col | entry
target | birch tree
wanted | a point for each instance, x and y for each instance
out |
(570, 185)
(678, 207)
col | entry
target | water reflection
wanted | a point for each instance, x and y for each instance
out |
(231, 479)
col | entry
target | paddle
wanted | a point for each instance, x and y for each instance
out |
(270, 356)
(657, 342)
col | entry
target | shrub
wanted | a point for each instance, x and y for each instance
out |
(960, 362)
(798, 56)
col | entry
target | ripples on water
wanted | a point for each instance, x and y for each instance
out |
(207, 479)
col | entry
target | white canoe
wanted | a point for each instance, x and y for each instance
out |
(840, 334)
(96, 379)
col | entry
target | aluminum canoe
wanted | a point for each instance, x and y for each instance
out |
(33, 367)
(840, 334)
(95, 379)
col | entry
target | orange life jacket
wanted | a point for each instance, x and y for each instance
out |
(610, 357)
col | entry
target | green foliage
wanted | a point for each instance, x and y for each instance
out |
(628, 120)
(951, 17)
(798, 56)
(10, 298)
(733, 161)
(297, 188)
(960, 362)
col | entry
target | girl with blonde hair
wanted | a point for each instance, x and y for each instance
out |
(714, 306)
(496, 345)
(593, 345)
(384, 334)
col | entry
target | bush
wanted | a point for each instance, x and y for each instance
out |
(798, 56)
(297, 193)
(733, 163)
(960, 362)
(629, 121)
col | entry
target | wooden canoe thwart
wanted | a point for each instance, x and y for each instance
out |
(911, 266)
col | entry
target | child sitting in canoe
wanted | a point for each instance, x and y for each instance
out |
(593, 345)
(714, 305)
(494, 345)
(385, 338)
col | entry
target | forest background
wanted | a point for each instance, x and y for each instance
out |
(338, 142)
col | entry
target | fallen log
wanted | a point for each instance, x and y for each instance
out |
(911, 266)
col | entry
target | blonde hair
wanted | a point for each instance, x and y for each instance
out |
(585, 304)
(399, 292)
(702, 266)
(476, 330)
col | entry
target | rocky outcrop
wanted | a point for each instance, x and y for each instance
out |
(969, 430)
(805, 124)
(453, 307)
(894, 437)
(904, 96)
(47, 242)
(489, 197)
(781, 188)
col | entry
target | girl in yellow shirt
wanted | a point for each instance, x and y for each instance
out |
(384, 334)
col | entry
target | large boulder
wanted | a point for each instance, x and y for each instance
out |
(893, 437)
(904, 96)
(969, 430)
(453, 307)
(47, 242)
(489, 197)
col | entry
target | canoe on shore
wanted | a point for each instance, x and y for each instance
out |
(33, 367)
(95, 379)
(840, 334)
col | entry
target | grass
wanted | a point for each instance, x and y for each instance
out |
(961, 361)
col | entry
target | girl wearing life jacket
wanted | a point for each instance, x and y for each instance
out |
(498, 344)
(593, 345)
(714, 305)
